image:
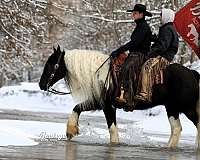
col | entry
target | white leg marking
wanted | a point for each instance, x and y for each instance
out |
(198, 113)
(114, 137)
(175, 132)
(72, 125)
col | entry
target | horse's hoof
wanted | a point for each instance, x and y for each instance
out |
(72, 131)
(114, 143)
(69, 136)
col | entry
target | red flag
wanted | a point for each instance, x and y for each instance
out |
(187, 22)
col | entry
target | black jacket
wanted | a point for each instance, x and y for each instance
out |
(140, 39)
(167, 43)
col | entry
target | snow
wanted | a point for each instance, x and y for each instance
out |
(23, 133)
(28, 97)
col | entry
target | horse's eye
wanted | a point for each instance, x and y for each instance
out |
(56, 66)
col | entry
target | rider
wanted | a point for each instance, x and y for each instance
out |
(140, 42)
(160, 55)
(141, 36)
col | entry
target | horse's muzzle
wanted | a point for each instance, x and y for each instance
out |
(42, 86)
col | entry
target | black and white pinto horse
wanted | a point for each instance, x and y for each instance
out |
(179, 92)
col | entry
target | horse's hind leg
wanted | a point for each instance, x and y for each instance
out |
(110, 114)
(176, 129)
(198, 119)
(193, 115)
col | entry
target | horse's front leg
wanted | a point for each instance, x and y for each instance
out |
(72, 124)
(110, 114)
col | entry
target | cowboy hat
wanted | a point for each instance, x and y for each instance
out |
(140, 8)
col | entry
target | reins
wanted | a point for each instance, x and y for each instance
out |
(107, 76)
(103, 64)
(57, 92)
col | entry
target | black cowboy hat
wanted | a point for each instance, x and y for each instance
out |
(140, 8)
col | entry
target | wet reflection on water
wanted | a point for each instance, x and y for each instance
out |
(70, 151)
(75, 150)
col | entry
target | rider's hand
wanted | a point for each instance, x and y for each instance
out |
(114, 54)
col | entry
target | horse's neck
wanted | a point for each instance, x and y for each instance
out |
(82, 66)
(86, 61)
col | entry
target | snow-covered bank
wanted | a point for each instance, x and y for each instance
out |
(28, 97)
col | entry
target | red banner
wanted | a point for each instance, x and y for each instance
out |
(187, 22)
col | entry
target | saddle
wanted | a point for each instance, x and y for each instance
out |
(116, 70)
(125, 74)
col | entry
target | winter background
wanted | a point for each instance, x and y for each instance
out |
(28, 31)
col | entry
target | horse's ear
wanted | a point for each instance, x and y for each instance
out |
(54, 49)
(63, 52)
(58, 49)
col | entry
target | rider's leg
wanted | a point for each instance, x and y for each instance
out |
(146, 79)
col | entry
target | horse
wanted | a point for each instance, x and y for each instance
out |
(80, 68)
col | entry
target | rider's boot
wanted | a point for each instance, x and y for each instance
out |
(121, 100)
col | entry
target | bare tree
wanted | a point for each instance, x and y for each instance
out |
(21, 24)
(29, 29)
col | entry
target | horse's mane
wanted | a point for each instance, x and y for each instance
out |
(82, 80)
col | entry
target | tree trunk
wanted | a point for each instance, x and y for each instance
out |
(1, 80)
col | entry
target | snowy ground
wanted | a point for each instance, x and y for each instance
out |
(28, 97)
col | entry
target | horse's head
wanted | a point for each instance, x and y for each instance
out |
(54, 69)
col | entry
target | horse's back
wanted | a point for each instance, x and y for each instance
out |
(182, 85)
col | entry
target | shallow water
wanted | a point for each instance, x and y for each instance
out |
(93, 142)
(73, 150)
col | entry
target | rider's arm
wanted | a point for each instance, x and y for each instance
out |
(137, 38)
(163, 43)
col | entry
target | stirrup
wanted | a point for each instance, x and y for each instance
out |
(121, 99)
(128, 108)
(139, 97)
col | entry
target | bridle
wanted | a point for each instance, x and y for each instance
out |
(49, 89)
